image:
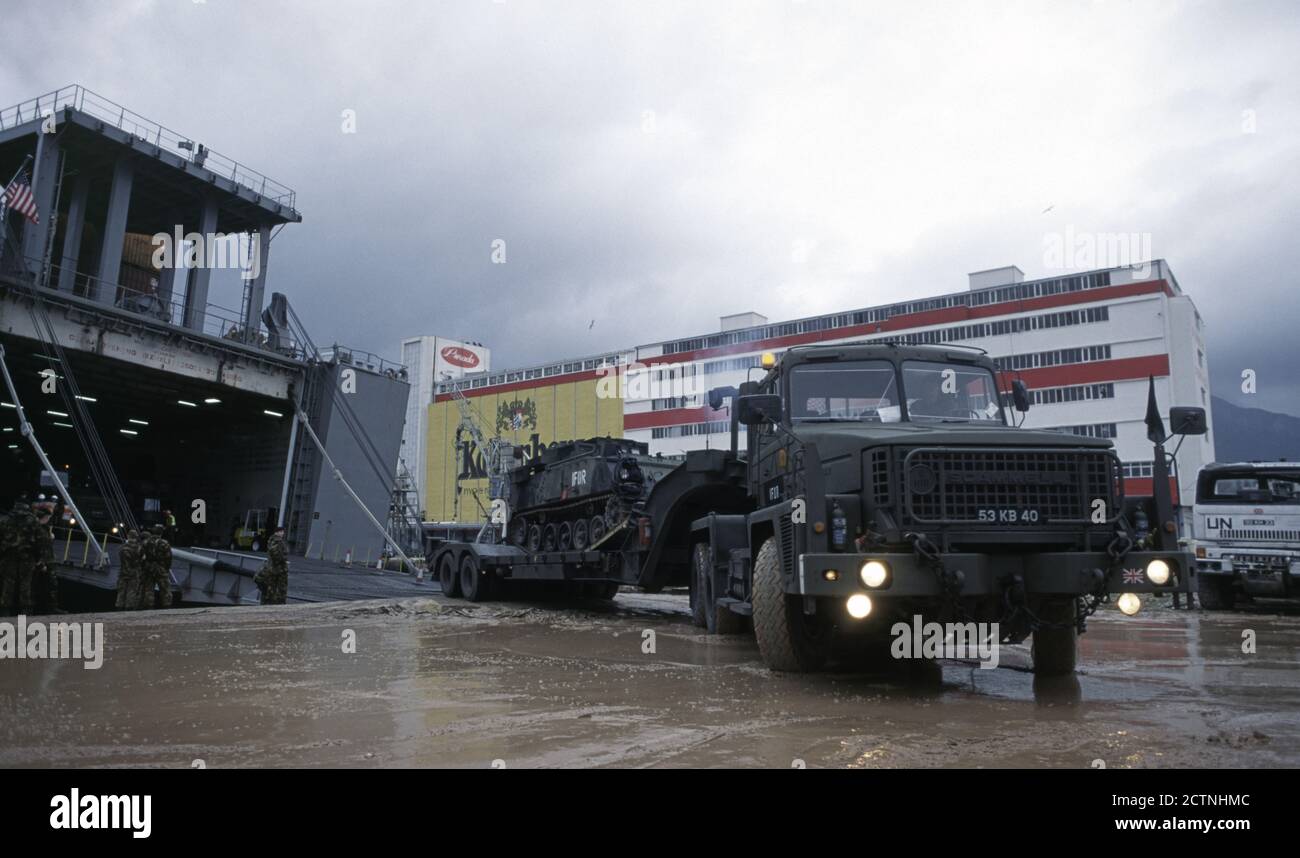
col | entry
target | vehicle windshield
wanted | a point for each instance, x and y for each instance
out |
(846, 391)
(940, 392)
(1250, 487)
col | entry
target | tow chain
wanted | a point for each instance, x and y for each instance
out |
(950, 587)
(949, 582)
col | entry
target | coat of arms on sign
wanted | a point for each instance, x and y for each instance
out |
(516, 415)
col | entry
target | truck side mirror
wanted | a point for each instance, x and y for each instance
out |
(718, 395)
(1020, 395)
(1187, 420)
(758, 408)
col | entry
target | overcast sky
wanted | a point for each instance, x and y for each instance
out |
(653, 165)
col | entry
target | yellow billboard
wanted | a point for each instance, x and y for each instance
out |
(530, 417)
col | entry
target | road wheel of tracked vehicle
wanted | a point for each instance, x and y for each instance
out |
(448, 578)
(549, 537)
(1216, 592)
(597, 529)
(788, 639)
(474, 585)
(705, 610)
(1055, 647)
(580, 534)
(565, 536)
(534, 538)
(519, 531)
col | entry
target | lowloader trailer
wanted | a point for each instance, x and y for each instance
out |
(881, 483)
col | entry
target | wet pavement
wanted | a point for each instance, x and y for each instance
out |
(436, 682)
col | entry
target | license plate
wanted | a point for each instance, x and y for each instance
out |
(1009, 516)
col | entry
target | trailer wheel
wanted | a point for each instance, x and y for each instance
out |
(718, 620)
(1216, 592)
(473, 585)
(788, 639)
(697, 592)
(447, 577)
(1055, 650)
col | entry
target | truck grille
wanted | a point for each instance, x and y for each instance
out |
(1260, 535)
(1008, 487)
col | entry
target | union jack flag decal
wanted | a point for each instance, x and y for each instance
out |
(1133, 576)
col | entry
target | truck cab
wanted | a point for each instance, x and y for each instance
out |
(1246, 532)
(890, 483)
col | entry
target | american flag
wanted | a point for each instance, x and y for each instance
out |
(18, 196)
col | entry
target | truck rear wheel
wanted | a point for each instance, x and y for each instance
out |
(1216, 592)
(473, 585)
(1055, 646)
(706, 611)
(788, 639)
(447, 577)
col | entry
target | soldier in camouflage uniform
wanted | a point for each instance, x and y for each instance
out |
(273, 578)
(45, 583)
(12, 555)
(130, 573)
(18, 546)
(157, 569)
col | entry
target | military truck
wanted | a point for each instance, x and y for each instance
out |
(1246, 532)
(879, 482)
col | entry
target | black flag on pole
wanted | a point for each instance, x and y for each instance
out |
(1155, 426)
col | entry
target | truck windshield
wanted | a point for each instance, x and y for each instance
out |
(1249, 487)
(940, 392)
(853, 391)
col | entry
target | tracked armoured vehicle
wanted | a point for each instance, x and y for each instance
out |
(573, 495)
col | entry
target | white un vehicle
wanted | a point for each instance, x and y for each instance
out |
(1246, 526)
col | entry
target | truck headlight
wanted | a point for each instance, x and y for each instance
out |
(859, 606)
(874, 573)
(1159, 572)
(1129, 604)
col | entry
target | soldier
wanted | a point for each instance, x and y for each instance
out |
(273, 578)
(45, 583)
(130, 573)
(17, 562)
(157, 568)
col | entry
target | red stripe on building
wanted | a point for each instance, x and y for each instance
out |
(674, 417)
(947, 315)
(1096, 372)
(1144, 486)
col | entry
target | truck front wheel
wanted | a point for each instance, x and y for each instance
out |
(1216, 592)
(1055, 645)
(788, 639)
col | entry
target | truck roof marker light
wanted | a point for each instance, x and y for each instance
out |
(1129, 604)
(859, 606)
(819, 527)
(768, 360)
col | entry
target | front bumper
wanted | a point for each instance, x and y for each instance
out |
(1056, 573)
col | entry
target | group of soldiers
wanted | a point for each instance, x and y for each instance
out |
(144, 565)
(27, 581)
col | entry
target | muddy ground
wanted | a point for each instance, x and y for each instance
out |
(435, 682)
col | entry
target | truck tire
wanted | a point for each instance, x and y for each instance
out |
(788, 639)
(717, 620)
(1055, 649)
(447, 577)
(473, 585)
(697, 593)
(1216, 592)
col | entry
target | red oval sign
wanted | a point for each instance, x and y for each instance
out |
(457, 356)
